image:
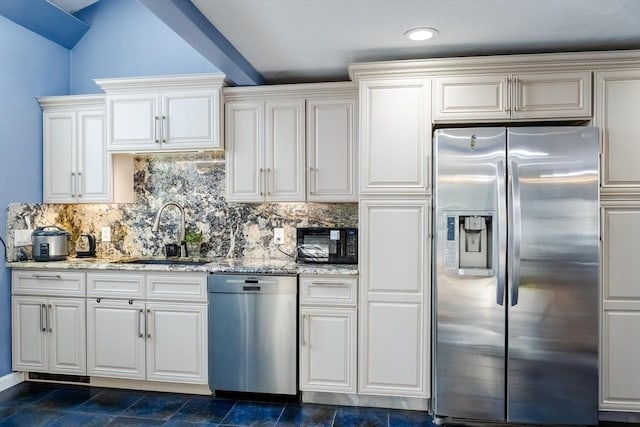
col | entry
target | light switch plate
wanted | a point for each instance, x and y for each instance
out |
(106, 234)
(22, 237)
(278, 236)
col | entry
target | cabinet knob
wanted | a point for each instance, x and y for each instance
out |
(98, 300)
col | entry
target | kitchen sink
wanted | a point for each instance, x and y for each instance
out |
(165, 261)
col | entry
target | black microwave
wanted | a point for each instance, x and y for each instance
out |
(327, 245)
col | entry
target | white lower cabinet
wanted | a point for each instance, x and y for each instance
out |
(48, 322)
(176, 342)
(328, 331)
(116, 338)
(49, 335)
(143, 338)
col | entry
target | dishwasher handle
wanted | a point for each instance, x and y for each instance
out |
(251, 288)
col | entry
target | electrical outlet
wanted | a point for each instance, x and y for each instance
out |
(22, 238)
(106, 234)
(278, 236)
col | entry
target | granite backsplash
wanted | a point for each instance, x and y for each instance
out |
(196, 181)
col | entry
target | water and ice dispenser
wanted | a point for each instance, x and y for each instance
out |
(469, 244)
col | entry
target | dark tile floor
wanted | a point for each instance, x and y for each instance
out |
(40, 404)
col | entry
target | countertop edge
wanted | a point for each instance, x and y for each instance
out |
(224, 265)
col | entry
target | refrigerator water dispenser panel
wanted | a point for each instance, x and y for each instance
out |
(469, 248)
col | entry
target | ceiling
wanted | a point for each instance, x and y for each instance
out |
(315, 40)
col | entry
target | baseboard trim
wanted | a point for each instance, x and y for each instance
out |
(10, 380)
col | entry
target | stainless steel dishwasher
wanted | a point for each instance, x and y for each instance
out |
(253, 333)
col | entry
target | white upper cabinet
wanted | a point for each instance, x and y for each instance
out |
(331, 150)
(291, 143)
(284, 151)
(488, 97)
(181, 113)
(265, 151)
(617, 101)
(76, 165)
(395, 136)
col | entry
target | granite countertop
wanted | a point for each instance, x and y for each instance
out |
(226, 265)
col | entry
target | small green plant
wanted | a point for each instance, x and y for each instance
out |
(193, 237)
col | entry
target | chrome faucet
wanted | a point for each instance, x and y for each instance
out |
(156, 224)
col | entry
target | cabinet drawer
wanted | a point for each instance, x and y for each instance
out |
(328, 290)
(115, 285)
(177, 286)
(48, 282)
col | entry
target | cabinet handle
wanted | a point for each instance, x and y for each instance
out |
(155, 130)
(516, 88)
(164, 129)
(261, 181)
(267, 181)
(47, 276)
(43, 314)
(147, 327)
(508, 95)
(73, 184)
(312, 180)
(79, 184)
(140, 314)
(329, 283)
(49, 321)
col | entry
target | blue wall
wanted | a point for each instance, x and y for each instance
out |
(31, 66)
(125, 39)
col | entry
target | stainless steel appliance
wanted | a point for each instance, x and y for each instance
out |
(50, 243)
(327, 245)
(516, 269)
(253, 333)
(86, 246)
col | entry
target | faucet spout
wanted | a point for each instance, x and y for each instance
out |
(156, 225)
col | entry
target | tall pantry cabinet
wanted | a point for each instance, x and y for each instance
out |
(394, 212)
(617, 102)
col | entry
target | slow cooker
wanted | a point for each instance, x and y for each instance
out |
(50, 243)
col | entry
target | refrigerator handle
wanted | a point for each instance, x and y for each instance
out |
(502, 230)
(515, 234)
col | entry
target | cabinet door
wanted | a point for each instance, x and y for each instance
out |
(331, 155)
(551, 95)
(244, 136)
(394, 298)
(285, 151)
(189, 120)
(328, 350)
(116, 332)
(66, 317)
(395, 136)
(29, 329)
(458, 98)
(617, 101)
(60, 170)
(620, 345)
(177, 342)
(619, 359)
(133, 122)
(94, 163)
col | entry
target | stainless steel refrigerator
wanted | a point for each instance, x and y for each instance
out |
(516, 267)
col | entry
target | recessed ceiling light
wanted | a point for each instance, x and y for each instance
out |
(420, 34)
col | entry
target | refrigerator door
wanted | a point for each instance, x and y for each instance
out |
(469, 316)
(553, 275)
